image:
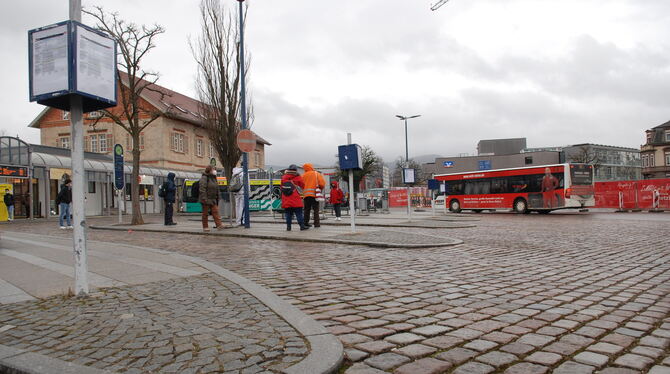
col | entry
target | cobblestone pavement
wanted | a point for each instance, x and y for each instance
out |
(562, 293)
(158, 328)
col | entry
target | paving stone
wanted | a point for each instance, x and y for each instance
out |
(658, 369)
(416, 350)
(457, 355)
(536, 340)
(430, 330)
(354, 355)
(377, 332)
(375, 347)
(497, 358)
(655, 342)
(517, 348)
(386, 361)
(606, 348)
(527, 368)
(544, 358)
(361, 368)
(404, 338)
(571, 367)
(634, 361)
(612, 370)
(424, 366)
(618, 339)
(474, 368)
(592, 359)
(480, 345)
(351, 339)
(651, 352)
(443, 342)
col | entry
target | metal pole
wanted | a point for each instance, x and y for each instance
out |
(352, 210)
(409, 202)
(119, 197)
(78, 215)
(243, 108)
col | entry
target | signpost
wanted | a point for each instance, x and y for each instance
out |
(350, 158)
(408, 179)
(73, 67)
(119, 176)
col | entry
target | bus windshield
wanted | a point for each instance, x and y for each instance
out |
(581, 174)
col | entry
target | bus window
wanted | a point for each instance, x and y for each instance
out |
(498, 185)
(469, 188)
(485, 186)
(454, 188)
(519, 183)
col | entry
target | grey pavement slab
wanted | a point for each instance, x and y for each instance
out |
(338, 235)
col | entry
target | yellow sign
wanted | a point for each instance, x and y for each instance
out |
(4, 214)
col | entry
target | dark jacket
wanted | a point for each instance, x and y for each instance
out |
(294, 200)
(209, 190)
(170, 189)
(65, 195)
(9, 199)
(336, 194)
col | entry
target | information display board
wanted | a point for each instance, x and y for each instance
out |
(69, 58)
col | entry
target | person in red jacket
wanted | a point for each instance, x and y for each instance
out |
(291, 199)
(336, 198)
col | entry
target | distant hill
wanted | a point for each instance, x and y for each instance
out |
(420, 159)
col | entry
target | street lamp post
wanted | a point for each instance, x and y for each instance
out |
(405, 118)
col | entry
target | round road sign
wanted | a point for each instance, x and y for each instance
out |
(246, 141)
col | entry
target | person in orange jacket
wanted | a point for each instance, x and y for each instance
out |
(312, 180)
(336, 198)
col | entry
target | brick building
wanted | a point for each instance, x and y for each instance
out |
(656, 152)
(176, 140)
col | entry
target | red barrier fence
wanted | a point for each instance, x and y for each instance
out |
(642, 194)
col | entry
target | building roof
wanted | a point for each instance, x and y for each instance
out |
(663, 126)
(170, 103)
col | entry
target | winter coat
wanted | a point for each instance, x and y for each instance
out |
(313, 180)
(170, 189)
(336, 194)
(293, 201)
(9, 199)
(209, 190)
(65, 195)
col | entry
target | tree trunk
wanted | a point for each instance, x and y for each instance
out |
(135, 190)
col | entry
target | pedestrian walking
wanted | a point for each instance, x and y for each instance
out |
(336, 199)
(169, 195)
(63, 200)
(312, 180)
(9, 203)
(291, 200)
(209, 196)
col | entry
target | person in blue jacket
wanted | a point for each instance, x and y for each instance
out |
(170, 198)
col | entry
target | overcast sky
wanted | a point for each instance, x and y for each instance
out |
(555, 72)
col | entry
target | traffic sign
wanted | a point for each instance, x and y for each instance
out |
(246, 141)
(119, 176)
(212, 161)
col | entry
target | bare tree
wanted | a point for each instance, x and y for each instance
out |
(133, 43)
(217, 54)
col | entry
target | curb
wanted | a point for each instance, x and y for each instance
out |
(447, 243)
(390, 225)
(325, 356)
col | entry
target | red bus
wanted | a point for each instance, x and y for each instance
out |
(538, 188)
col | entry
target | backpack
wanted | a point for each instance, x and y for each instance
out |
(236, 183)
(195, 190)
(288, 187)
(161, 190)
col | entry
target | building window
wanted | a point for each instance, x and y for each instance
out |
(257, 159)
(102, 141)
(198, 147)
(178, 142)
(529, 160)
(211, 150)
(667, 135)
(66, 115)
(652, 162)
(94, 114)
(129, 142)
(667, 158)
(91, 187)
(64, 142)
(94, 143)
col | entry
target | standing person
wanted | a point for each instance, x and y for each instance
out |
(236, 186)
(209, 196)
(291, 201)
(336, 198)
(64, 199)
(9, 203)
(549, 184)
(313, 180)
(170, 192)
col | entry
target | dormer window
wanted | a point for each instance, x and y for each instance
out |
(667, 135)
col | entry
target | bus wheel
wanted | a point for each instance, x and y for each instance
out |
(455, 206)
(520, 206)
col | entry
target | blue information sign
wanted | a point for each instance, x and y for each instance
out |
(119, 180)
(485, 165)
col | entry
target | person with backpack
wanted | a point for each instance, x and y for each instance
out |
(313, 180)
(291, 201)
(9, 203)
(336, 199)
(63, 200)
(168, 191)
(236, 186)
(209, 195)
